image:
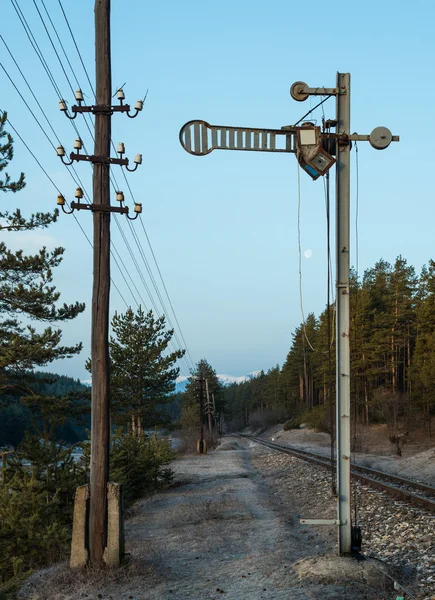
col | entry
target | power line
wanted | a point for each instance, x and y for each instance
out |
(40, 55)
(28, 107)
(52, 79)
(160, 274)
(66, 56)
(56, 136)
(77, 48)
(146, 264)
(59, 59)
(35, 45)
(58, 190)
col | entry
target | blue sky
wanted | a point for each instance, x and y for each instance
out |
(224, 227)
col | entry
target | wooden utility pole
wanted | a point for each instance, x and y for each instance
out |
(100, 431)
(201, 414)
(208, 407)
(101, 209)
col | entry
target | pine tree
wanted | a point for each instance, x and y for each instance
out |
(35, 500)
(26, 291)
(143, 374)
(190, 398)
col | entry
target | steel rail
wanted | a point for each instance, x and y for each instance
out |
(364, 474)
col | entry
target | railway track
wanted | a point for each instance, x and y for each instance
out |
(412, 492)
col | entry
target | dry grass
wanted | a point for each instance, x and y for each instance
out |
(200, 510)
(62, 583)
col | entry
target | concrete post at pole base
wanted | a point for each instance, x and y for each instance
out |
(115, 549)
(342, 325)
(79, 544)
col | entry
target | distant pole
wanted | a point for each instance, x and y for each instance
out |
(208, 408)
(343, 322)
(201, 412)
(214, 411)
(99, 466)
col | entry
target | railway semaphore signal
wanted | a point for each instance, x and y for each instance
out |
(316, 151)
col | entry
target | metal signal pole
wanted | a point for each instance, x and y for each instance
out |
(343, 315)
(100, 431)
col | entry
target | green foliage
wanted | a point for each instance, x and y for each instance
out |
(36, 506)
(33, 530)
(139, 464)
(26, 291)
(39, 481)
(392, 350)
(17, 416)
(143, 374)
(317, 418)
(293, 423)
(6, 155)
(204, 378)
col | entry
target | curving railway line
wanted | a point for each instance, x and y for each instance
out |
(412, 492)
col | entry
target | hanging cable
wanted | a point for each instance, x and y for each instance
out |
(300, 260)
(356, 335)
(328, 308)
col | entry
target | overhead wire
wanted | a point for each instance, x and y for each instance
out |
(10, 124)
(56, 87)
(116, 187)
(77, 178)
(60, 60)
(40, 55)
(42, 129)
(301, 302)
(77, 48)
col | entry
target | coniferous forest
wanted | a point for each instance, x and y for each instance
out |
(392, 342)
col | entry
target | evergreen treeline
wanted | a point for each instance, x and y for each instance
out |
(16, 418)
(392, 341)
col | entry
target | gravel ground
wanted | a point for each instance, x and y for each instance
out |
(228, 528)
(392, 532)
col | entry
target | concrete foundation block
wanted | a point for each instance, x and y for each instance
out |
(79, 545)
(115, 548)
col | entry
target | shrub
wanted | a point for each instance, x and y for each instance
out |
(262, 420)
(317, 418)
(36, 505)
(293, 423)
(139, 464)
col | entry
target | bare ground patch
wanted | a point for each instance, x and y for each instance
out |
(223, 532)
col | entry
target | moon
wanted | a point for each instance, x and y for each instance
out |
(308, 254)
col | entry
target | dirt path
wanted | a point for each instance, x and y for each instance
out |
(220, 532)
